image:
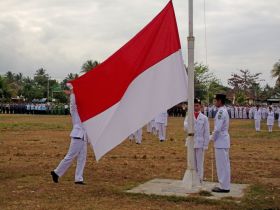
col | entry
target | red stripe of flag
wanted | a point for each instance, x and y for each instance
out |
(104, 86)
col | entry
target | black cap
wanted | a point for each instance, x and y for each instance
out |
(197, 101)
(220, 96)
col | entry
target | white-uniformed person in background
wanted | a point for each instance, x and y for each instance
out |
(251, 111)
(270, 119)
(222, 144)
(78, 145)
(244, 112)
(201, 137)
(258, 118)
(161, 123)
(149, 127)
(264, 113)
(236, 112)
(137, 135)
(232, 112)
(240, 112)
(154, 126)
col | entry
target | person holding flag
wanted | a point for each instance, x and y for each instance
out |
(78, 145)
(201, 137)
(221, 140)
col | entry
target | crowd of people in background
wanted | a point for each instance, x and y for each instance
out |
(157, 126)
(243, 112)
(235, 112)
(34, 108)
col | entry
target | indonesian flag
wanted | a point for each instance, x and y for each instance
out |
(143, 78)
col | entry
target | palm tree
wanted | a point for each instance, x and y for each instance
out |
(10, 76)
(89, 65)
(275, 72)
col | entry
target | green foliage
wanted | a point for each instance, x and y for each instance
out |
(240, 98)
(206, 84)
(89, 65)
(244, 80)
(4, 90)
(275, 72)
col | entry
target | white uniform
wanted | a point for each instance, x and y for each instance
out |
(222, 144)
(270, 120)
(251, 113)
(244, 113)
(236, 112)
(240, 113)
(257, 118)
(232, 112)
(154, 126)
(201, 140)
(137, 135)
(161, 122)
(78, 145)
(264, 112)
(149, 127)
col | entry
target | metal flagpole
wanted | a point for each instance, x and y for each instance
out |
(191, 178)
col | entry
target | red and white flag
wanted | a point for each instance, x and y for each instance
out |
(143, 78)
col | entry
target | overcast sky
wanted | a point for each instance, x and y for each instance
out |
(60, 35)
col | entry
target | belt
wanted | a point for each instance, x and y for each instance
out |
(77, 138)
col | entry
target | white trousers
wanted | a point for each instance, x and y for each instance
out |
(138, 136)
(78, 148)
(198, 162)
(161, 131)
(154, 127)
(270, 128)
(149, 127)
(223, 167)
(258, 125)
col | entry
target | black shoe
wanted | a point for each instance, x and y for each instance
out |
(161, 140)
(80, 182)
(219, 190)
(54, 177)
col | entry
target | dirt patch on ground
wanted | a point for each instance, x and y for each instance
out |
(32, 146)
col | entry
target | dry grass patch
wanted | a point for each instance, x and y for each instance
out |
(32, 146)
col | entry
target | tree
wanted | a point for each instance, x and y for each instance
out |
(267, 92)
(243, 81)
(13, 82)
(4, 91)
(69, 77)
(275, 72)
(202, 81)
(89, 65)
(41, 79)
(215, 86)
(10, 77)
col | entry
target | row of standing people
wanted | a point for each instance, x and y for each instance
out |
(33, 108)
(242, 112)
(156, 126)
(271, 116)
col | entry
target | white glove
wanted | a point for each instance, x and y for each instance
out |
(211, 137)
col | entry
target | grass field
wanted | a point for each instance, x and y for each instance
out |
(32, 146)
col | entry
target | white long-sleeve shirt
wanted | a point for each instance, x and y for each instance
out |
(201, 131)
(78, 130)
